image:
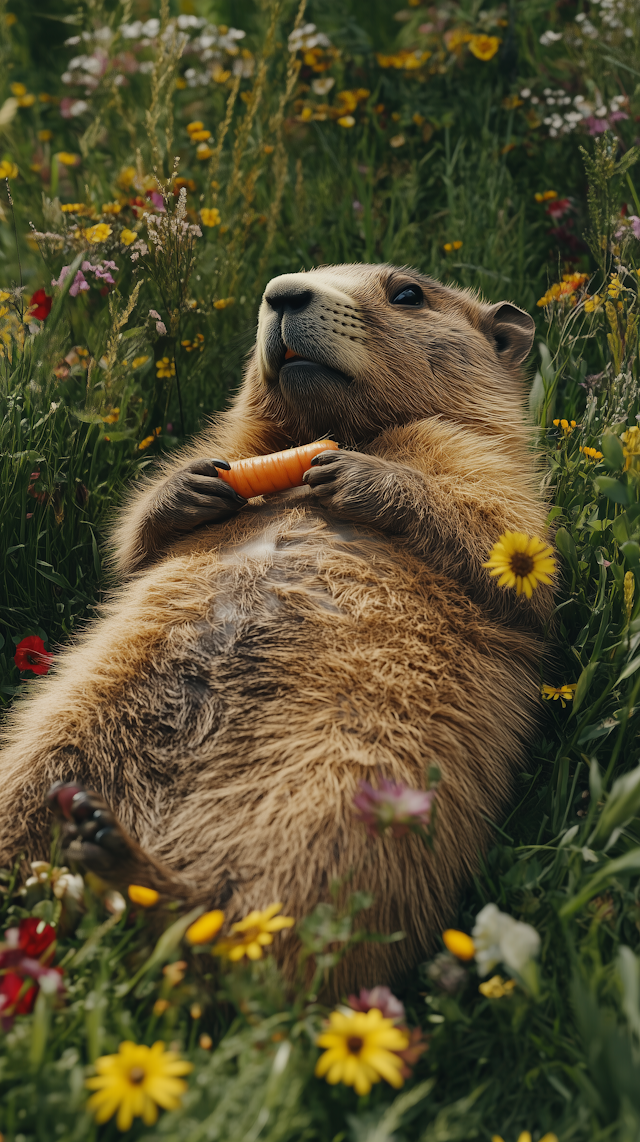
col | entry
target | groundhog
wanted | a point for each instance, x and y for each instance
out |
(259, 659)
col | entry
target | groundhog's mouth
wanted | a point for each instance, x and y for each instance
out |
(302, 369)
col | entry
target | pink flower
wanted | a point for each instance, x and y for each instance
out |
(380, 997)
(393, 806)
(79, 283)
(635, 225)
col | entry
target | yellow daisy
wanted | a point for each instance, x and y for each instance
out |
(360, 1050)
(251, 935)
(135, 1082)
(522, 561)
(496, 987)
(564, 693)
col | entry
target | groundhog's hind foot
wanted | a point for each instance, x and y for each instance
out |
(93, 837)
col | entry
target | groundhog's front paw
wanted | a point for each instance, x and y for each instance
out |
(91, 835)
(196, 495)
(352, 485)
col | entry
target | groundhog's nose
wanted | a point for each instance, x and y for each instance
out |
(288, 298)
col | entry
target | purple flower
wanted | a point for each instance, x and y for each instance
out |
(156, 198)
(161, 328)
(380, 997)
(63, 273)
(596, 126)
(79, 283)
(393, 806)
(357, 206)
(635, 225)
(154, 313)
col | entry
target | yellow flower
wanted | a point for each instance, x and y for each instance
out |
(525, 1136)
(360, 1050)
(160, 1006)
(8, 169)
(139, 361)
(346, 121)
(127, 237)
(26, 100)
(73, 208)
(450, 246)
(210, 216)
(631, 449)
(203, 152)
(546, 195)
(251, 935)
(591, 453)
(484, 47)
(197, 343)
(205, 1041)
(567, 426)
(111, 207)
(67, 159)
(165, 367)
(135, 1082)
(614, 287)
(222, 302)
(45, 136)
(565, 693)
(138, 894)
(205, 927)
(18, 89)
(459, 944)
(126, 177)
(456, 38)
(112, 417)
(98, 233)
(200, 136)
(496, 987)
(629, 591)
(522, 561)
(592, 303)
(197, 125)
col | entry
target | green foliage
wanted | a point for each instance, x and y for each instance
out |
(439, 169)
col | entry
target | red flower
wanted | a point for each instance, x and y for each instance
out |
(559, 208)
(10, 988)
(31, 655)
(40, 305)
(35, 937)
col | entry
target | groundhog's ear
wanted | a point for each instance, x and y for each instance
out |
(512, 330)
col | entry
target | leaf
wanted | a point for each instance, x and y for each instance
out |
(630, 862)
(613, 489)
(165, 946)
(567, 548)
(629, 669)
(87, 417)
(613, 453)
(631, 552)
(54, 577)
(584, 682)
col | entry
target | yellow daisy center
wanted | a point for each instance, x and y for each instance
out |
(521, 563)
(137, 1075)
(355, 1044)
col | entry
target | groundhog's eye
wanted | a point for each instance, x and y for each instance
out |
(408, 295)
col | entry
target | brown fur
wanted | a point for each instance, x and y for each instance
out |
(251, 671)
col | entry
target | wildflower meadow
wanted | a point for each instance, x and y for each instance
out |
(159, 163)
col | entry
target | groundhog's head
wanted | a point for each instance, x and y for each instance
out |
(352, 350)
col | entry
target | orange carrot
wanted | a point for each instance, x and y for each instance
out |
(259, 475)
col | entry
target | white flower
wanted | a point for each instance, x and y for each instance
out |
(550, 38)
(501, 939)
(69, 886)
(322, 86)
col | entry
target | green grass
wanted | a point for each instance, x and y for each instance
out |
(560, 1053)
